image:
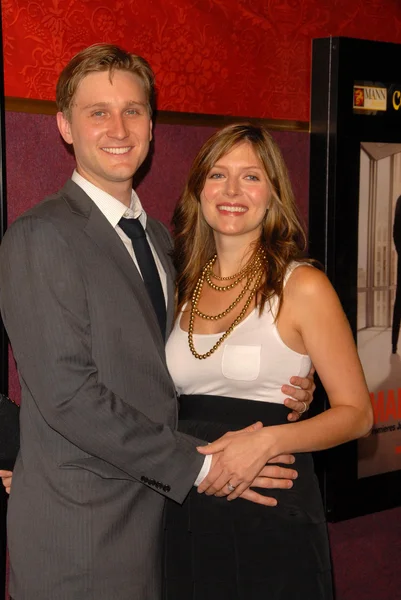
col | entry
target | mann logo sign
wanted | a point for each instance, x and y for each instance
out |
(370, 98)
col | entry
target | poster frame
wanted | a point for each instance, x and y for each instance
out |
(336, 133)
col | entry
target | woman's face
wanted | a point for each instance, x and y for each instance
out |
(236, 194)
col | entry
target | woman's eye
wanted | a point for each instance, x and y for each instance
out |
(252, 177)
(216, 176)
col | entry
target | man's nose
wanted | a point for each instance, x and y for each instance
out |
(117, 127)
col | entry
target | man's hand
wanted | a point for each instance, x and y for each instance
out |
(6, 478)
(301, 396)
(270, 477)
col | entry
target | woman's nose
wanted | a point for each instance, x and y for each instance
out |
(233, 187)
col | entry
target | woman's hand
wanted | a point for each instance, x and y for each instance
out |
(240, 456)
(6, 478)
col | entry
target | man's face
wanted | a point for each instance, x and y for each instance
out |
(109, 128)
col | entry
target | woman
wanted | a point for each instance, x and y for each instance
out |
(251, 312)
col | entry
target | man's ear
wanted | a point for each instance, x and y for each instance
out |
(151, 130)
(64, 127)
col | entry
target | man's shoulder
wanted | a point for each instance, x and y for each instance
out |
(57, 212)
(45, 211)
(57, 206)
(46, 208)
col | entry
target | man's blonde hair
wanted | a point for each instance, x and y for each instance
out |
(97, 58)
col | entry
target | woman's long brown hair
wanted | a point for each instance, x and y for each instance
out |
(282, 236)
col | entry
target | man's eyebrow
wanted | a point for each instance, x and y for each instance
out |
(107, 104)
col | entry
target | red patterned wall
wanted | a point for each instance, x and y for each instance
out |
(239, 57)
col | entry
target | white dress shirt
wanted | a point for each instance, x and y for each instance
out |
(113, 210)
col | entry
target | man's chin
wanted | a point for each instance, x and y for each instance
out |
(119, 175)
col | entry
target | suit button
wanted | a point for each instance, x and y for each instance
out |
(159, 485)
(166, 488)
(144, 479)
(152, 481)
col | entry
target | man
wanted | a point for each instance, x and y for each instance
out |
(99, 450)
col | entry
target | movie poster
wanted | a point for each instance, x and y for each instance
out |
(379, 314)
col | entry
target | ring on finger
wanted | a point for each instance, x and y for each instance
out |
(231, 487)
(301, 412)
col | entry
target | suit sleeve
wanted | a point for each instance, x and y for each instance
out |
(45, 311)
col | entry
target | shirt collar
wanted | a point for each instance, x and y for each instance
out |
(111, 208)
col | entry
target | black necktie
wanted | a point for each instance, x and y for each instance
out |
(143, 254)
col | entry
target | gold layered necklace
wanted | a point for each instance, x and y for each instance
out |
(253, 271)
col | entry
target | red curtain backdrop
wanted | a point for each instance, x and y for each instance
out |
(236, 57)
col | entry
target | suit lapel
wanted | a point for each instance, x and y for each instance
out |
(154, 236)
(106, 238)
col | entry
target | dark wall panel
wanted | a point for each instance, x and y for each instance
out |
(38, 164)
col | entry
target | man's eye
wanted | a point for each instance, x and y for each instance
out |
(133, 111)
(98, 113)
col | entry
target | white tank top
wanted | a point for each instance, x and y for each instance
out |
(252, 363)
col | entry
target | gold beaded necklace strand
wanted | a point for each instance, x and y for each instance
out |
(251, 266)
(254, 270)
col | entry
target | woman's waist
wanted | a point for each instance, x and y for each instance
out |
(233, 412)
(210, 417)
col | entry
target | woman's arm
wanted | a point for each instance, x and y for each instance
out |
(315, 324)
(311, 322)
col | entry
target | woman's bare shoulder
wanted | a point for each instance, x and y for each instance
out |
(307, 279)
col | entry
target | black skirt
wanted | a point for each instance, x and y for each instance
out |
(219, 550)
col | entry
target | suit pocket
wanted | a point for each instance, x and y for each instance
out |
(241, 362)
(97, 467)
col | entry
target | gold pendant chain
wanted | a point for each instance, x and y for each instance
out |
(255, 276)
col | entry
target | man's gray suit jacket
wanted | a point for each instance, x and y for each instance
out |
(99, 450)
